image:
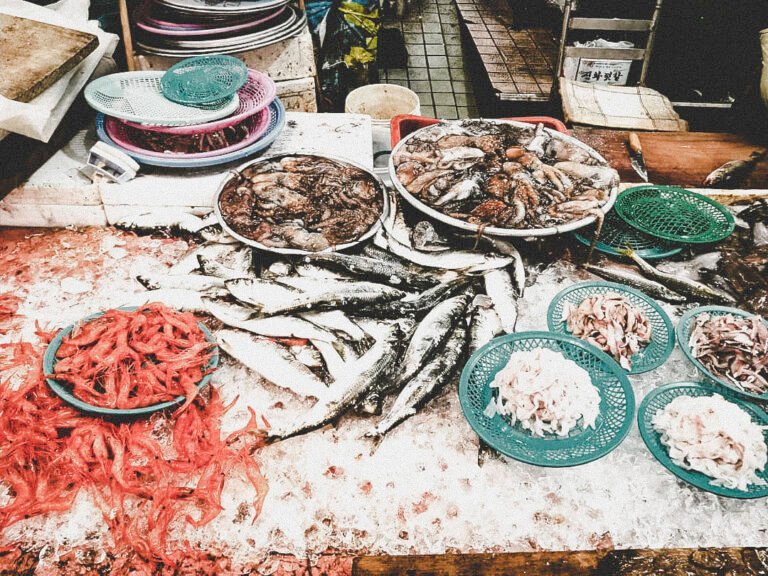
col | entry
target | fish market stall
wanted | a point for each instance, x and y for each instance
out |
(377, 400)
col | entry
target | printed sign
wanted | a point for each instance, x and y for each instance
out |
(603, 71)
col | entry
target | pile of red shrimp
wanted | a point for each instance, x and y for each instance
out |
(131, 359)
(143, 476)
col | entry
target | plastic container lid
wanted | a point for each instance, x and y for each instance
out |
(674, 214)
(138, 97)
(204, 79)
(654, 354)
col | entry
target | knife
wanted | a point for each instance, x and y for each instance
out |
(636, 156)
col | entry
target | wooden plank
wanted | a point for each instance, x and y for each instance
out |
(605, 53)
(628, 25)
(681, 158)
(692, 562)
(35, 55)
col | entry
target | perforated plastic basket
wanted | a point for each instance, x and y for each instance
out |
(254, 97)
(674, 214)
(658, 399)
(129, 137)
(617, 402)
(662, 334)
(276, 124)
(138, 97)
(617, 235)
(204, 79)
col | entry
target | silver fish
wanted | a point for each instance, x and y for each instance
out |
(374, 366)
(392, 273)
(229, 261)
(641, 283)
(242, 317)
(272, 362)
(277, 270)
(518, 266)
(308, 355)
(151, 280)
(498, 285)
(731, 173)
(484, 324)
(351, 295)
(307, 270)
(419, 304)
(338, 322)
(177, 298)
(334, 362)
(428, 338)
(426, 383)
(258, 292)
(215, 233)
(681, 284)
(187, 263)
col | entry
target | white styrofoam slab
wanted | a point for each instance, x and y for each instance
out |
(51, 215)
(163, 215)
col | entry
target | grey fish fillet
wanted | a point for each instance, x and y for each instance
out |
(499, 286)
(387, 271)
(640, 282)
(426, 383)
(681, 284)
(272, 361)
(484, 324)
(343, 394)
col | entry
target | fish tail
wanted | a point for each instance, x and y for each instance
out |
(376, 439)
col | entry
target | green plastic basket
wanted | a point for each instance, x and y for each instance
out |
(684, 327)
(617, 402)
(674, 214)
(63, 392)
(204, 79)
(616, 236)
(662, 334)
(657, 399)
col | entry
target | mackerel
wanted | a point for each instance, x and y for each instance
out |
(426, 383)
(272, 362)
(374, 366)
(498, 285)
(419, 303)
(640, 282)
(338, 322)
(518, 266)
(259, 293)
(680, 283)
(484, 324)
(389, 272)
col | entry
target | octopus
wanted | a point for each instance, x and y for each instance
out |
(189, 143)
(305, 202)
(498, 174)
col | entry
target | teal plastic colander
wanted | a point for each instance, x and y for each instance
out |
(617, 402)
(662, 334)
(204, 79)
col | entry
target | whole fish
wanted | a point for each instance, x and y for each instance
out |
(338, 322)
(372, 367)
(731, 173)
(449, 260)
(271, 361)
(333, 361)
(234, 262)
(389, 272)
(308, 355)
(641, 283)
(258, 292)
(419, 304)
(352, 295)
(151, 280)
(187, 263)
(307, 270)
(498, 285)
(216, 234)
(484, 324)
(681, 284)
(427, 340)
(177, 298)
(243, 318)
(426, 383)
(518, 266)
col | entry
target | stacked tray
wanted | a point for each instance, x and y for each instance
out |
(181, 28)
(137, 117)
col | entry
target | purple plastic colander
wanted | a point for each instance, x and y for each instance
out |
(148, 23)
(255, 95)
(120, 132)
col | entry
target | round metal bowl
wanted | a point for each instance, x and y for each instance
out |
(493, 230)
(296, 251)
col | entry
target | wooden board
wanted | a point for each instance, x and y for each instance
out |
(681, 158)
(35, 55)
(674, 561)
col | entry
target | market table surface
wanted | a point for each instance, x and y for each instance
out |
(680, 158)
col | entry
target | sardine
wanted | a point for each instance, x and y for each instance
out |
(177, 298)
(680, 283)
(427, 340)
(258, 292)
(498, 285)
(484, 324)
(372, 269)
(215, 233)
(271, 361)
(338, 322)
(506, 248)
(242, 317)
(419, 304)
(319, 272)
(151, 280)
(231, 261)
(641, 283)
(333, 361)
(731, 173)
(426, 383)
(374, 366)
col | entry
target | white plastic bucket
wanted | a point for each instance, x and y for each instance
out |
(381, 102)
